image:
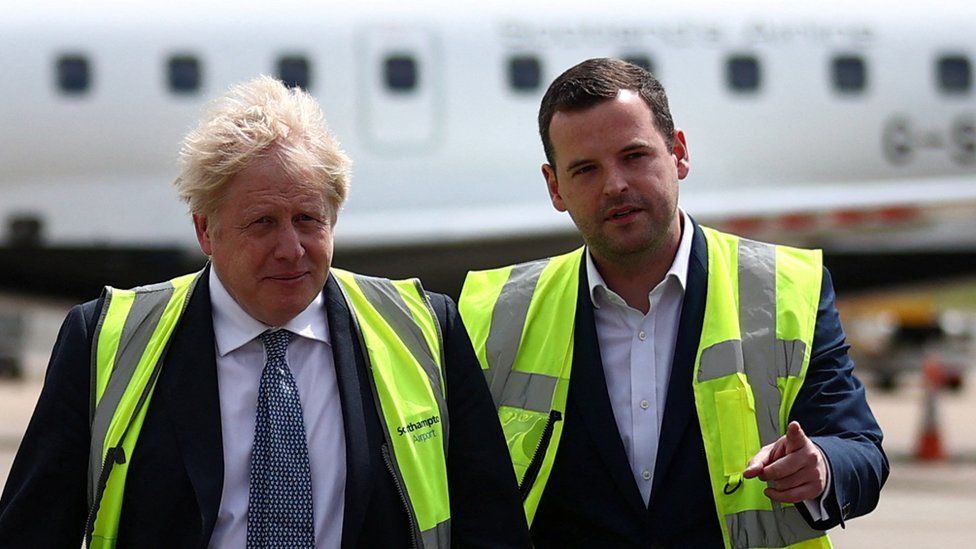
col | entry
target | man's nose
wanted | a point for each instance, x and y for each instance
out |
(615, 182)
(289, 243)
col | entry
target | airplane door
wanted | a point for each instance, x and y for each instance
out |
(400, 89)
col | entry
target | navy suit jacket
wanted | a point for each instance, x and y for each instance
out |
(175, 478)
(592, 500)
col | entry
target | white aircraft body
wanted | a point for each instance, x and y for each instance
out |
(830, 123)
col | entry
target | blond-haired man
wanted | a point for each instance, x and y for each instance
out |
(269, 400)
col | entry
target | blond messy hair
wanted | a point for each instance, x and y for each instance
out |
(255, 120)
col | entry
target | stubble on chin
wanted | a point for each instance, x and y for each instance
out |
(630, 254)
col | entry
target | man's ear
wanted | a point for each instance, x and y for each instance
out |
(549, 173)
(202, 226)
(679, 149)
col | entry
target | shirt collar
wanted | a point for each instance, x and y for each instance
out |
(678, 270)
(233, 327)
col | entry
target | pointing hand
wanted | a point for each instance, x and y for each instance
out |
(794, 466)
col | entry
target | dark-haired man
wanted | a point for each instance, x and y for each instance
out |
(667, 384)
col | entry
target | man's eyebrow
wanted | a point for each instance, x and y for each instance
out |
(633, 145)
(577, 163)
(636, 144)
(250, 209)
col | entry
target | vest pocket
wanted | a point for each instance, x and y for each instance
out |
(738, 431)
(532, 471)
(527, 434)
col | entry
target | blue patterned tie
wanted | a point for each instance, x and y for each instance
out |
(279, 505)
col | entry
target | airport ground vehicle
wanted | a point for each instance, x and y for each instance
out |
(894, 332)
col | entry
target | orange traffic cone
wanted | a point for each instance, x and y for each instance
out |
(930, 442)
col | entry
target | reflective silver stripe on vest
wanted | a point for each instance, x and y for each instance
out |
(147, 309)
(763, 358)
(725, 358)
(529, 391)
(720, 360)
(757, 324)
(507, 324)
(777, 528)
(438, 536)
(383, 295)
(789, 357)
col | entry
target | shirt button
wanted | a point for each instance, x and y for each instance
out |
(642, 335)
(646, 474)
(644, 404)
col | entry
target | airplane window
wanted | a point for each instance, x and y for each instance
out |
(74, 75)
(850, 75)
(401, 73)
(524, 73)
(742, 73)
(955, 74)
(184, 74)
(294, 72)
(641, 61)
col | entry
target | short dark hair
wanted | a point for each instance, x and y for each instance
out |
(597, 80)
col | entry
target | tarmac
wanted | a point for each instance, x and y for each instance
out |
(923, 504)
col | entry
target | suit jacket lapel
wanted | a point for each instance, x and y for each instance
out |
(344, 342)
(680, 399)
(588, 392)
(188, 387)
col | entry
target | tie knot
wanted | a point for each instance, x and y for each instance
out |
(276, 343)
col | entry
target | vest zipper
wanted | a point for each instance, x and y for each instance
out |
(112, 456)
(540, 453)
(414, 529)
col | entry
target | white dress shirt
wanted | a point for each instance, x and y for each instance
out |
(637, 351)
(240, 360)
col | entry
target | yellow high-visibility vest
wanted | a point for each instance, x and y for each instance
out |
(398, 331)
(752, 358)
